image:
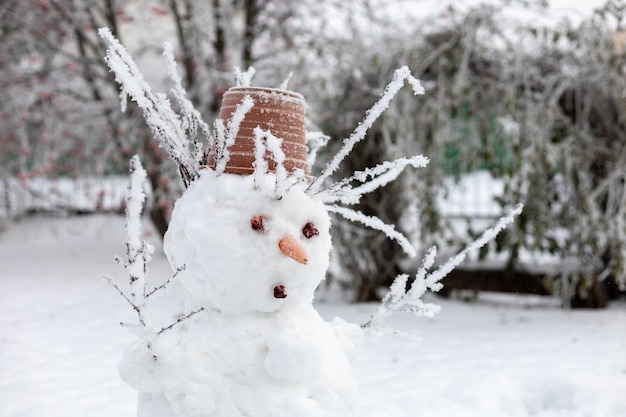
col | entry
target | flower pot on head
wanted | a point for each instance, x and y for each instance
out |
(278, 111)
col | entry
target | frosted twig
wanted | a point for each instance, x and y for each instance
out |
(399, 299)
(372, 179)
(244, 79)
(191, 118)
(138, 254)
(138, 251)
(163, 121)
(111, 282)
(166, 283)
(315, 141)
(377, 224)
(284, 85)
(488, 235)
(278, 156)
(265, 140)
(223, 155)
(297, 176)
(179, 320)
(220, 139)
(260, 164)
(418, 290)
(371, 115)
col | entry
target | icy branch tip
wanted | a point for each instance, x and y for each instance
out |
(104, 32)
(371, 115)
(405, 73)
(398, 299)
(244, 79)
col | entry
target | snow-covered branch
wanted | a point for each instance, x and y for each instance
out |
(374, 223)
(166, 283)
(138, 255)
(226, 137)
(259, 164)
(179, 320)
(265, 140)
(400, 76)
(244, 79)
(191, 117)
(399, 299)
(165, 123)
(315, 141)
(371, 179)
(138, 251)
(285, 84)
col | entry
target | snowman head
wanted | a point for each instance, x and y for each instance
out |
(252, 230)
(243, 248)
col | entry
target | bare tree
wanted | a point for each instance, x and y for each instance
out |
(60, 110)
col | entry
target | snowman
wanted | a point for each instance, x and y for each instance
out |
(252, 244)
(249, 241)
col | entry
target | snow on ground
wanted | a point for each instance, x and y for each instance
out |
(498, 356)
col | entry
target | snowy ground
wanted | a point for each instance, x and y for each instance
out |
(498, 356)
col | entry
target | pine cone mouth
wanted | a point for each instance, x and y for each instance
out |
(279, 291)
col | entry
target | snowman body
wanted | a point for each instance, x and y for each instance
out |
(252, 261)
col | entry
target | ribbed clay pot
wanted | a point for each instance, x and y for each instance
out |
(279, 111)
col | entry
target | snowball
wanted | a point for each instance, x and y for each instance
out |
(229, 266)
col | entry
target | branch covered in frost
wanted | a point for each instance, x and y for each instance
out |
(225, 138)
(166, 283)
(180, 320)
(315, 141)
(273, 145)
(138, 254)
(191, 118)
(375, 223)
(285, 84)
(259, 164)
(398, 299)
(138, 251)
(371, 115)
(244, 79)
(157, 110)
(371, 179)
(343, 192)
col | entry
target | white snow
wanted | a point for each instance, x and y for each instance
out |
(499, 356)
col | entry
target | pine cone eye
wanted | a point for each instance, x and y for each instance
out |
(258, 223)
(310, 230)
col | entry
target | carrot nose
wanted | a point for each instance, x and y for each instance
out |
(290, 247)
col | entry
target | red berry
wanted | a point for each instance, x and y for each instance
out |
(279, 291)
(310, 230)
(258, 223)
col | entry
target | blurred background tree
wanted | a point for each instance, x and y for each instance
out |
(539, 106)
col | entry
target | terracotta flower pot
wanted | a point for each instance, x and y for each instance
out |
(279, 111)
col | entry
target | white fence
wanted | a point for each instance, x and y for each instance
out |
(472, 197)
(82, 195)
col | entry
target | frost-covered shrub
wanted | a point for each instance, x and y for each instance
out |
(541, 108)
